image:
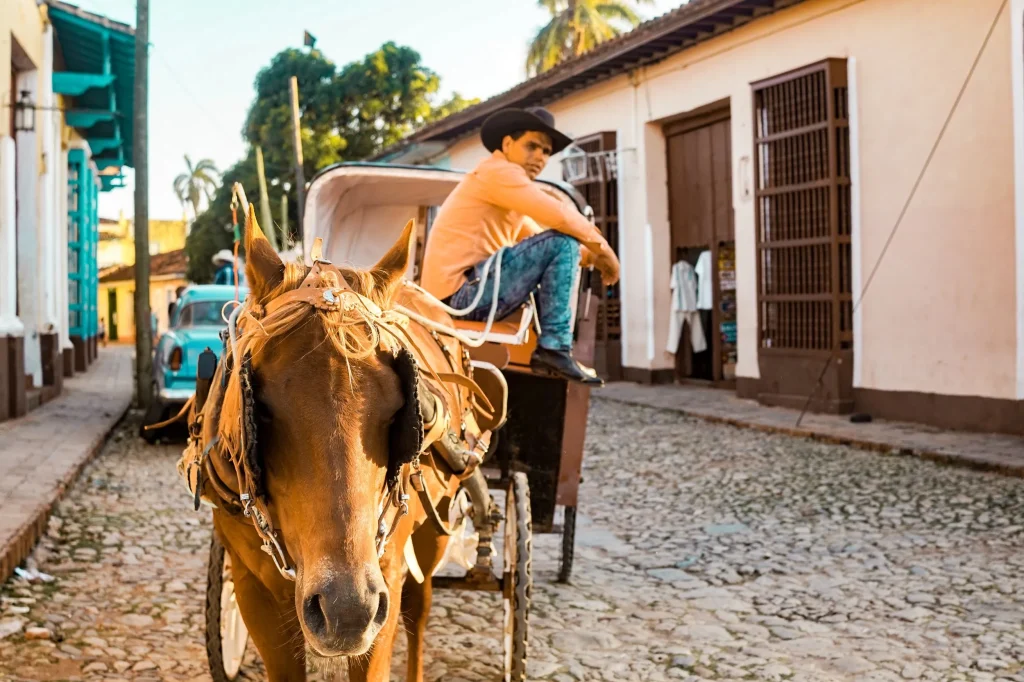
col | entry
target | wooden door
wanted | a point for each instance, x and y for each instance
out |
(700, 181)
(700, 211)
(112, 313)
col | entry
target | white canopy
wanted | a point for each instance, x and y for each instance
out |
(360, 210)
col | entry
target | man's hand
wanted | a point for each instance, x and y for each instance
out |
(600, 255)
(608, 265)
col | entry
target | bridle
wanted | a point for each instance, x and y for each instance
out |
(409, 436)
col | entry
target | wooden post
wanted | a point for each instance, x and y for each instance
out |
(284, 216)
(265, 216)
(300, 180)
(140, 135)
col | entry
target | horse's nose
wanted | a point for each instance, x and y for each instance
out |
(342, 616)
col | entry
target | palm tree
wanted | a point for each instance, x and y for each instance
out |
(200, 181)
(577, 26)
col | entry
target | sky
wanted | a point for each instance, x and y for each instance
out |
(205, 55)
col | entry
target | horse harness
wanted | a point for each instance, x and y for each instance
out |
(410, 435)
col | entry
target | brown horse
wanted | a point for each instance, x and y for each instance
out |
(304, 436)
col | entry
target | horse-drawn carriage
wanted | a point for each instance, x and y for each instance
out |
(536, 424)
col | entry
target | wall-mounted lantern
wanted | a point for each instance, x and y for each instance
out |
(24, 113)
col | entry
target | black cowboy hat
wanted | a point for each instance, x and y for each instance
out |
(507, 121)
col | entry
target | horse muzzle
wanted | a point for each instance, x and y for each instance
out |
(342, 612)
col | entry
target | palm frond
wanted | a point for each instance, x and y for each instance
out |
(618, 10)
(547, 47)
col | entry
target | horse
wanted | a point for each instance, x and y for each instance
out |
(309, 445)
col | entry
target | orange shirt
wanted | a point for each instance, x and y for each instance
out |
(485, 213)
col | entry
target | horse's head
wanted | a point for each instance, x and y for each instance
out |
(329, 390)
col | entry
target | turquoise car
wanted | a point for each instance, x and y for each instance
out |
(195, 325)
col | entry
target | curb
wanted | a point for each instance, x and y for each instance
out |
(976, 463)
(28, 535)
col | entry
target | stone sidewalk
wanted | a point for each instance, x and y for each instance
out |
(985, 451)
(43, 452)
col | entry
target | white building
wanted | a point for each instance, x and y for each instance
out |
(66, 81)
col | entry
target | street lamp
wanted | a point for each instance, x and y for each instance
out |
(24, 113)
(575, 164)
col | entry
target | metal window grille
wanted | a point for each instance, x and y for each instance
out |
(599, 185)
(802, 190)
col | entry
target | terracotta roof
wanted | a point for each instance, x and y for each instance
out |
(650, 42)
(160, 265)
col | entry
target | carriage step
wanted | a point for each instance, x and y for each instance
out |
(485, 584)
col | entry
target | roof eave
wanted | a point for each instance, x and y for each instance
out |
(649, 43)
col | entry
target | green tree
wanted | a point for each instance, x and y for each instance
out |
(452, 105)
(578, 26)
(212, 230)
(269, 121)
(383, 98)
(346, 114)
(200, 181)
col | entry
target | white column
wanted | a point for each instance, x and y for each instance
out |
(1017, 71)
(63, 314)
(46, 247)
(10, 325)
(856, 273)
(29, 291)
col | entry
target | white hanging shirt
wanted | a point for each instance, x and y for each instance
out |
(705, 287)
(684, 308)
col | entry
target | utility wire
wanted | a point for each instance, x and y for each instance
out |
(910, 198)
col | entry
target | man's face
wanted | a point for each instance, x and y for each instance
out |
(531, 151)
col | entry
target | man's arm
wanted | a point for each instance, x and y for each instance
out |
(509, 187)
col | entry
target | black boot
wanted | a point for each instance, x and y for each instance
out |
(560, 363)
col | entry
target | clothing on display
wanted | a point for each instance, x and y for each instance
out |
(705, 287)
(685, 308)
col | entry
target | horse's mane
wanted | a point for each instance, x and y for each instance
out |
(355, 330)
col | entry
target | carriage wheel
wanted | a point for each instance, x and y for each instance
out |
(568, 544)
(226, 634)
(518, 581)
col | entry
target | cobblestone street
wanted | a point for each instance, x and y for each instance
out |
(705, 552)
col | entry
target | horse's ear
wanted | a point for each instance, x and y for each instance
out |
(263, 268)
(389, 271)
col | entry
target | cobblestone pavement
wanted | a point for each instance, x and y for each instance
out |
(705, 553)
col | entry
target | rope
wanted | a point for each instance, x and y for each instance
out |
(910, 198)
(234, 265)
(473, 341)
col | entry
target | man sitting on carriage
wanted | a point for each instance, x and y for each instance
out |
(497, 207)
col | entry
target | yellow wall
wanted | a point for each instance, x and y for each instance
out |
(21, 20)
(161, 292)
(940, 315)
(164, 236)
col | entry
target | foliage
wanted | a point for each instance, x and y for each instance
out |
(200, 181)
(452, 105)
(347, 114)
(578, 26)
(212, 230)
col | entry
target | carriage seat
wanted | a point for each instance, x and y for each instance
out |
(513, 330)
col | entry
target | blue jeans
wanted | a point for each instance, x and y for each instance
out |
(544, 264)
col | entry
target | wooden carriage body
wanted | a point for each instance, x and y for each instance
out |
(359, 210)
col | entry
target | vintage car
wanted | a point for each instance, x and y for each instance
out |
(195, 325)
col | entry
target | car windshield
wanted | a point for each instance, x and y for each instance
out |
(202, 314)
